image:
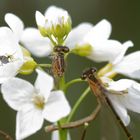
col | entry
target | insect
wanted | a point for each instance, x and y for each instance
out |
(58, 62)
(5, 59)
(100, 92)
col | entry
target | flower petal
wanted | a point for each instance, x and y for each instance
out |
(56, 107)
(120, 85)
(132, 99)
(28, 122)
(15, 24)
(125, 46)
(40, 19)
(44, 83)
(17, 92)
(120, 109)
(101, 31)
(9, 47)
(129, 65)
(38, 45)
(105, 50)
(77, 34)
(9, 42)
(56, 15)
(8, 71)
(135, 74)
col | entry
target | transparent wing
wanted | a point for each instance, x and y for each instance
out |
(109, 129)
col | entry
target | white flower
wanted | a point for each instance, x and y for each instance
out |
(11, 57)
(77, 34)
(56, 22)
(129, 65)
(127, 96)
(85, 39)
(34, 103)
(30, 37)
(102, 48)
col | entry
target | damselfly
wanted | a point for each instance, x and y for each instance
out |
(58, 62)
(101, 92)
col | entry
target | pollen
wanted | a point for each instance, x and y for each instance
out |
(39, 101)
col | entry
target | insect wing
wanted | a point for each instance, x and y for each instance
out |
(109, 129)
(99, 95)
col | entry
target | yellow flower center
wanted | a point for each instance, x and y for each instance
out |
(108, 71)
(39, 101)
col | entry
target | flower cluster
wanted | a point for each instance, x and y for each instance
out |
(46, 99)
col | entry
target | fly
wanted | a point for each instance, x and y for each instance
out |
(58, 62)
(100, 92)
(5, 59)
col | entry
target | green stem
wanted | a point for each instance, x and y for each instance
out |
(53, 42)
(62, 132)
(67, 85)
(61, 83)
(44, 65)
(77, 104)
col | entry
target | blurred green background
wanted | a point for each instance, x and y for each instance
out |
(125, 19)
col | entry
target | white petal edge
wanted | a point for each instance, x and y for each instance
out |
(129, 64)
(56, 107)
(125, 47)
(54, 15)
(28, 122)
(17, 92)
(132, 100)
(101, 31)
(135, 74)
(120, 109)
(37, 44)
(15, 23)
(120, 85)
(105, 50)
(40, 19)
(77, 34)
(44, 83)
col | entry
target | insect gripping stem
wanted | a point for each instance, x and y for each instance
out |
(100, 92)
(58, 61)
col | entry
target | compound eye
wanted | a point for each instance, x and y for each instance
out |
(93, 70)
(84, 76)
(66, 49)
(57, 49)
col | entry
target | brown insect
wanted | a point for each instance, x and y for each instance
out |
(100, 91)
(58, 62)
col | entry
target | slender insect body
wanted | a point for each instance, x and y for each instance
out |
(58, 64)
(101, 92)
(58, 61)
(95, 84)
(98, 91)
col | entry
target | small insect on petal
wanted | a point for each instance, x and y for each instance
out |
(6, 59)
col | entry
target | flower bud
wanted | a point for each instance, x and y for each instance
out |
(56, 22)
(29, 64)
